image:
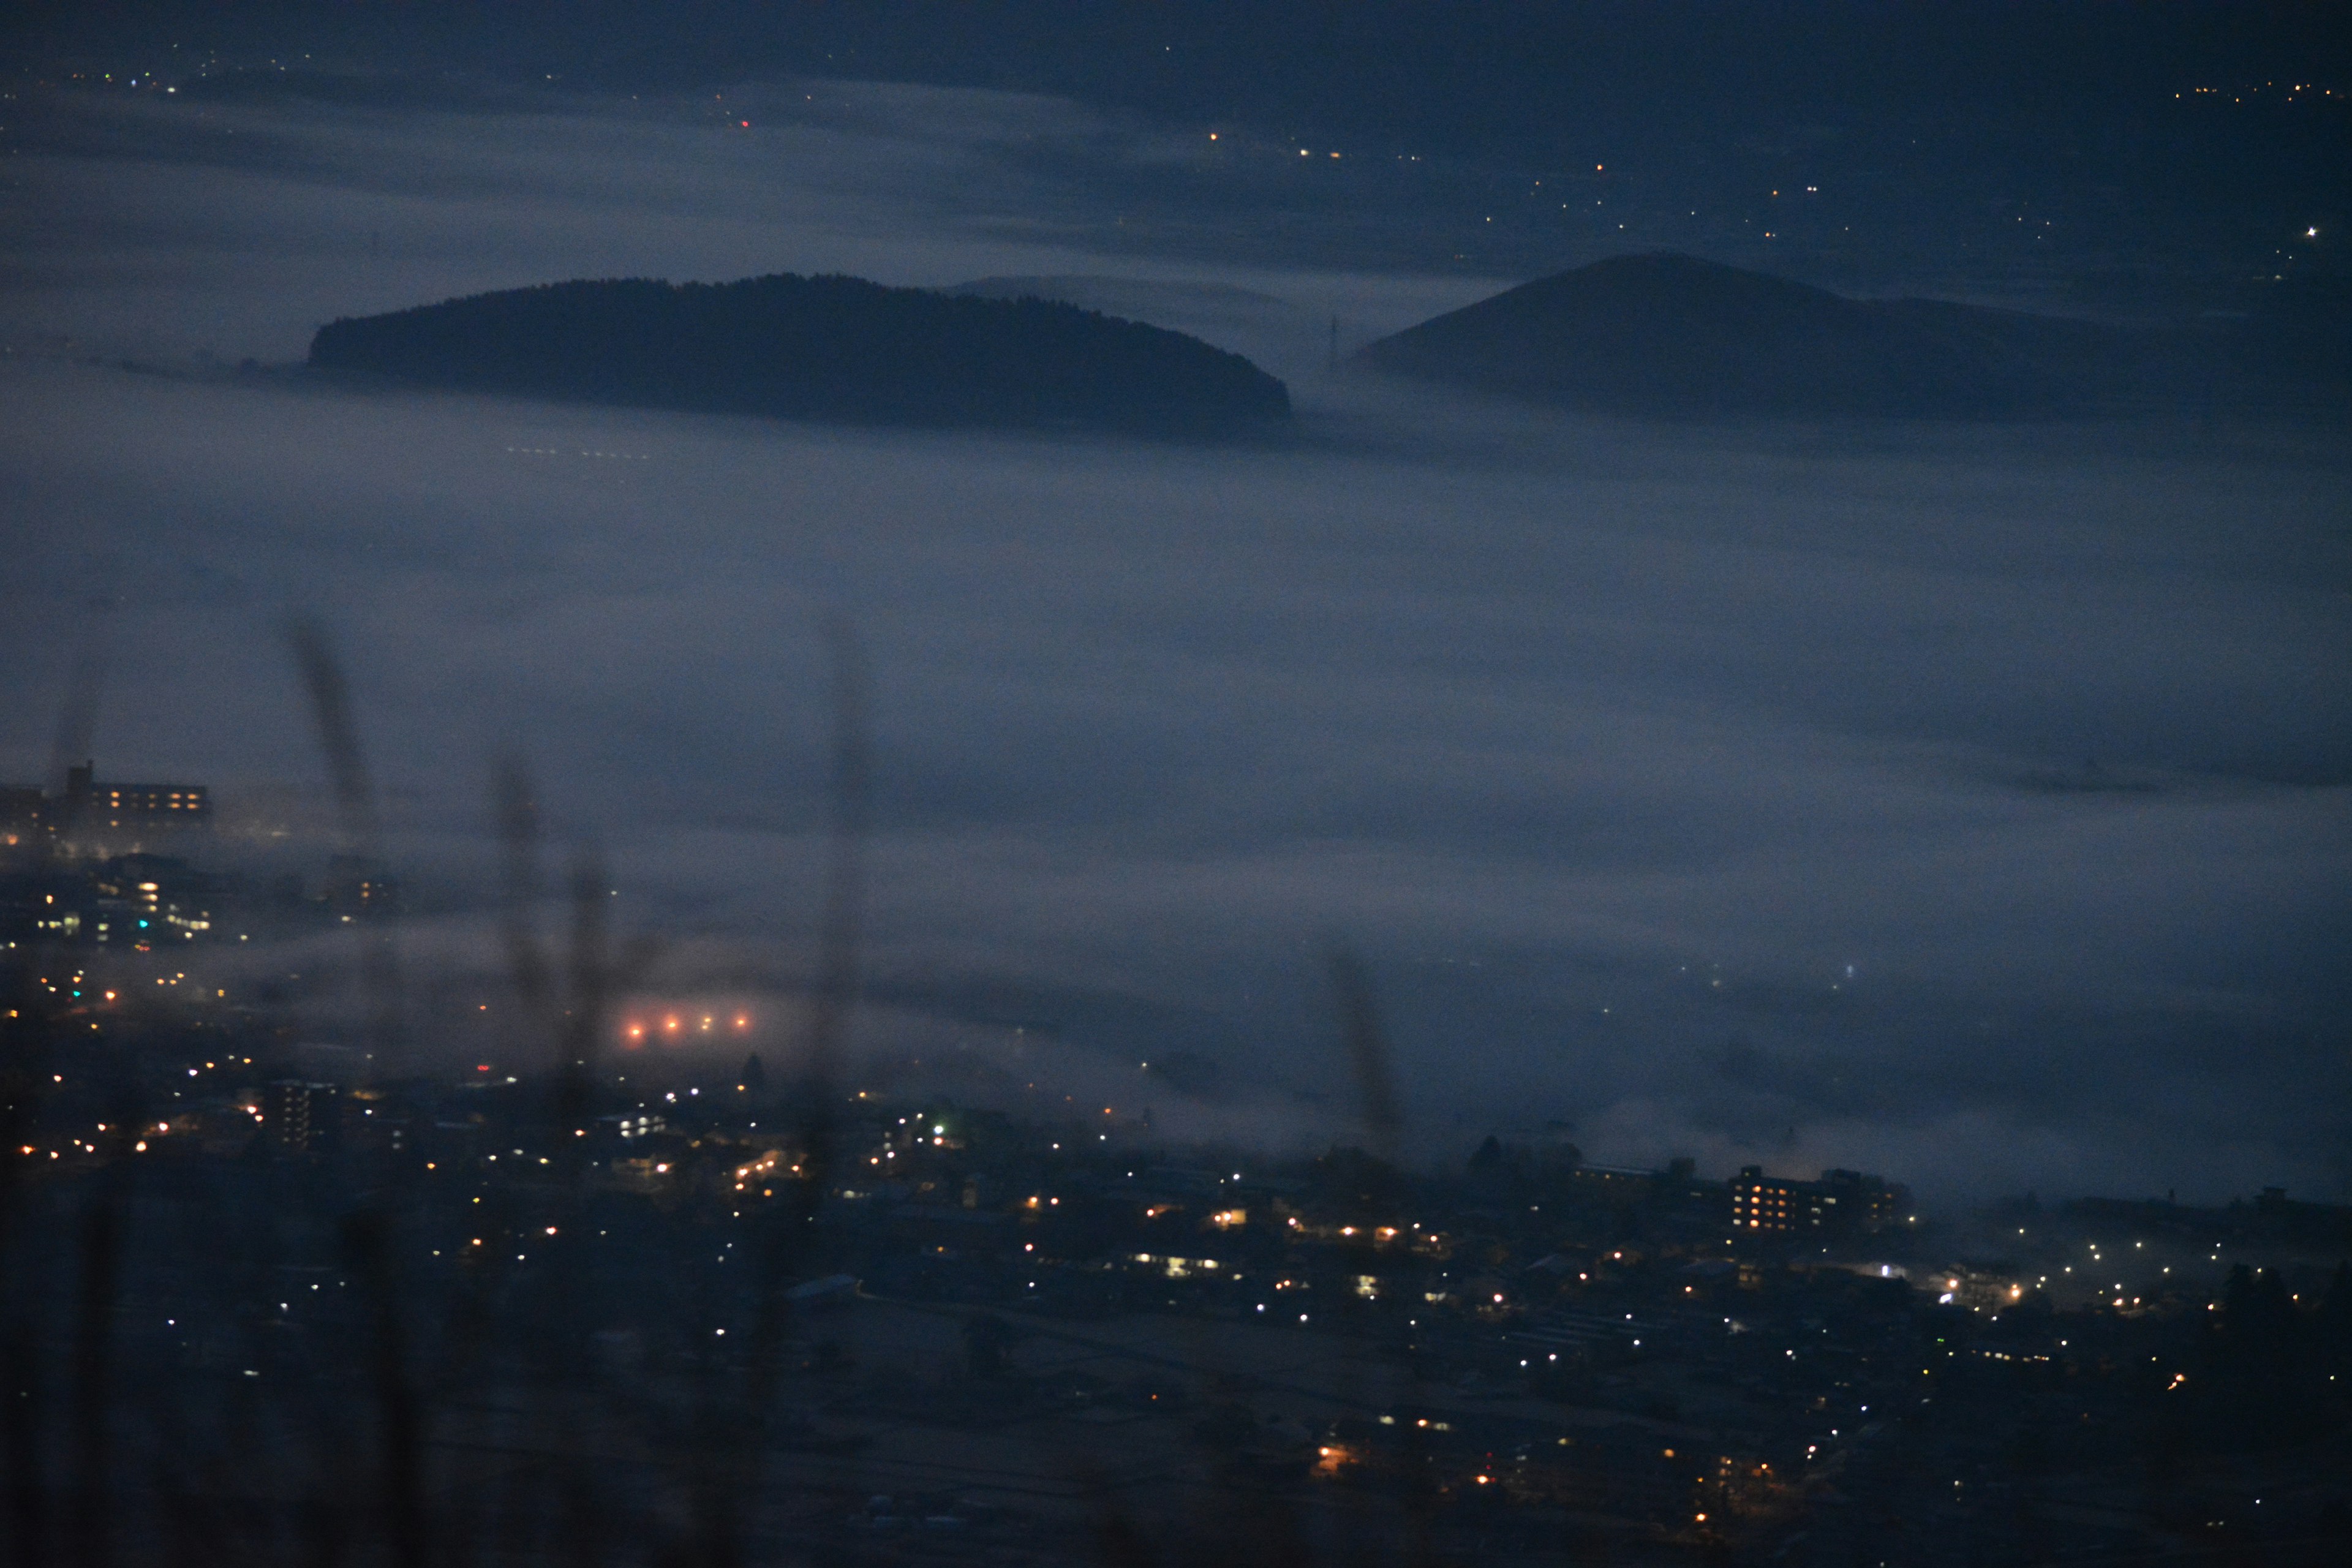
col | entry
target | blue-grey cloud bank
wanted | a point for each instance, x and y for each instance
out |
(1964, 802)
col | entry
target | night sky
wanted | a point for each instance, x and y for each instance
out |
(1966, 801)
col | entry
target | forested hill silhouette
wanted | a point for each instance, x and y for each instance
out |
(1672, 336)
(819, 348)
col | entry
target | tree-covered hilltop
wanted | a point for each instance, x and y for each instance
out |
(1668, 335)
(1672, 336)
(813, 348)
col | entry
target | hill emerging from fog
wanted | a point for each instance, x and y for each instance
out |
(1271, 331)
(1673, 336)
(813, 348)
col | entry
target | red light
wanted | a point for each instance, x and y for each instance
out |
(747, 125)
(483, 1068)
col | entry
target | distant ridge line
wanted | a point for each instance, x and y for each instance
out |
(826, 347)
(1664, 335)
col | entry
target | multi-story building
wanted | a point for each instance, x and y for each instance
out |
(301, 1118)
(1762, 1203)
(91, 814)
(91, 806)
(1843, 1203)
(1851, 1201)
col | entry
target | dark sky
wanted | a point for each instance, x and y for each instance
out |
(1966, 802)
(2104, 151)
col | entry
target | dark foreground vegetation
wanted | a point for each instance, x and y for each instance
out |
(814, 348)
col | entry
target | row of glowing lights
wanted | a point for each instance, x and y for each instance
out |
(671, 1024)
(763, 1166)
(2236, 97)
(173, 980)
(139, 1147)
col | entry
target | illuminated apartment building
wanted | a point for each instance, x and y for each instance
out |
(1841, 1203)
(93, 805)
(1762, 1203)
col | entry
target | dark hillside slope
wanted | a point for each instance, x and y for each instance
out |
(817, 348)
(1673, 336)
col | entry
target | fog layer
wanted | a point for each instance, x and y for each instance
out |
(1966, 803)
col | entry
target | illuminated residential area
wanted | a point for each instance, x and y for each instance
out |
(974, 1315)
(1065, 784)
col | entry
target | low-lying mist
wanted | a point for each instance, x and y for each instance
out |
(1965, 804)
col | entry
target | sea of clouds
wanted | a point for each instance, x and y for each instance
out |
(1965, 804)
